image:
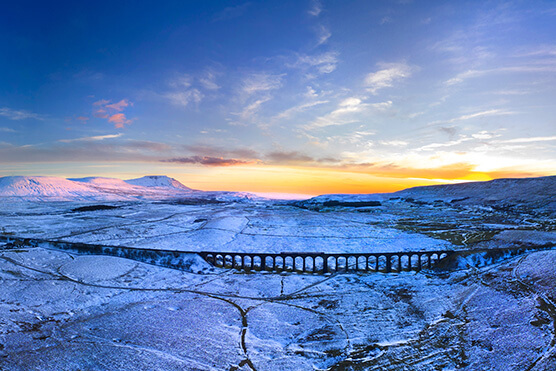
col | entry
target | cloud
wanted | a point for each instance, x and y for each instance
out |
(540, 51)
(385, 20)
(252, 93)
(249, 111)
(464, 76)
(231, 12)
(208, 81)
(483, 135)
(181, 81)
(119, 120)
(260, 82)
(541, 68)
(208, 161)
(101, 102)
(394, 143)
(7, 130)
(288, 157)
(101, 113)
(146, 145)
(316, 9)
(89, 139)
(529, 140)
(323, 34)
(491, 112)
(113, 112)
(86, 151)
(347, 111)
(451, 131)
(82, 119)
(299, 108)
(387, 76)
(184, 98)
(432, 146)
(213, 151)
(324, 63)
(19, 114)
(119, 106)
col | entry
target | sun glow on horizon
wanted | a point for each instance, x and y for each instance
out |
(286, 101)
(291, 182)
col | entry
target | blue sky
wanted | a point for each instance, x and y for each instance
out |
(362, 95)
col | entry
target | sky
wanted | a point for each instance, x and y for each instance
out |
(305, 96)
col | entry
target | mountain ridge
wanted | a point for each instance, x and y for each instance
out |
(92, 188)
(537, 193)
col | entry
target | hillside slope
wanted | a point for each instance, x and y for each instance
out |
(533, 194)
(90, 188)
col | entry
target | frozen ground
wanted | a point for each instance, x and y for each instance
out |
(61, 311)
(67, 312)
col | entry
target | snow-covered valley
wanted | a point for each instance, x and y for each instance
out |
(65, 311)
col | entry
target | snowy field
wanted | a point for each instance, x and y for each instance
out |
(239, 227)
(61, 311)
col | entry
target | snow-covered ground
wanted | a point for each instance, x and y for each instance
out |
(64, 311)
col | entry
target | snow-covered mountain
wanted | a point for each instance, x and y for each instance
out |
(45, 188)
(158, 181)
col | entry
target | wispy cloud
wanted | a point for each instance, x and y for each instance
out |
(385, 20)
(531, 68)
(250, 110)
(299, 108)
(253, 91)
(208, 81)
(346, 112)
(484, 135)
(91, 139)
(433, 146)
(7, 130)
(19, 114)
(187, 89)
(208, 161)
(529, 140)
(540, 51)
(464, 76)
(231, 12)
(185, 98)
(324, 63)
(260, 82)
(394, 143)
(316, 8)
(388, 74)
(323, 34)
(288, 157)
(492, 112)
(181, 81)
(119, 106)
(87, 151)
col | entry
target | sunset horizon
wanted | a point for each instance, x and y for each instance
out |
(308, 97)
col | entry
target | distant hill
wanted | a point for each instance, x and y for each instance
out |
(515, 189)
(158, 181)
(44, 188)
(537, 194)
